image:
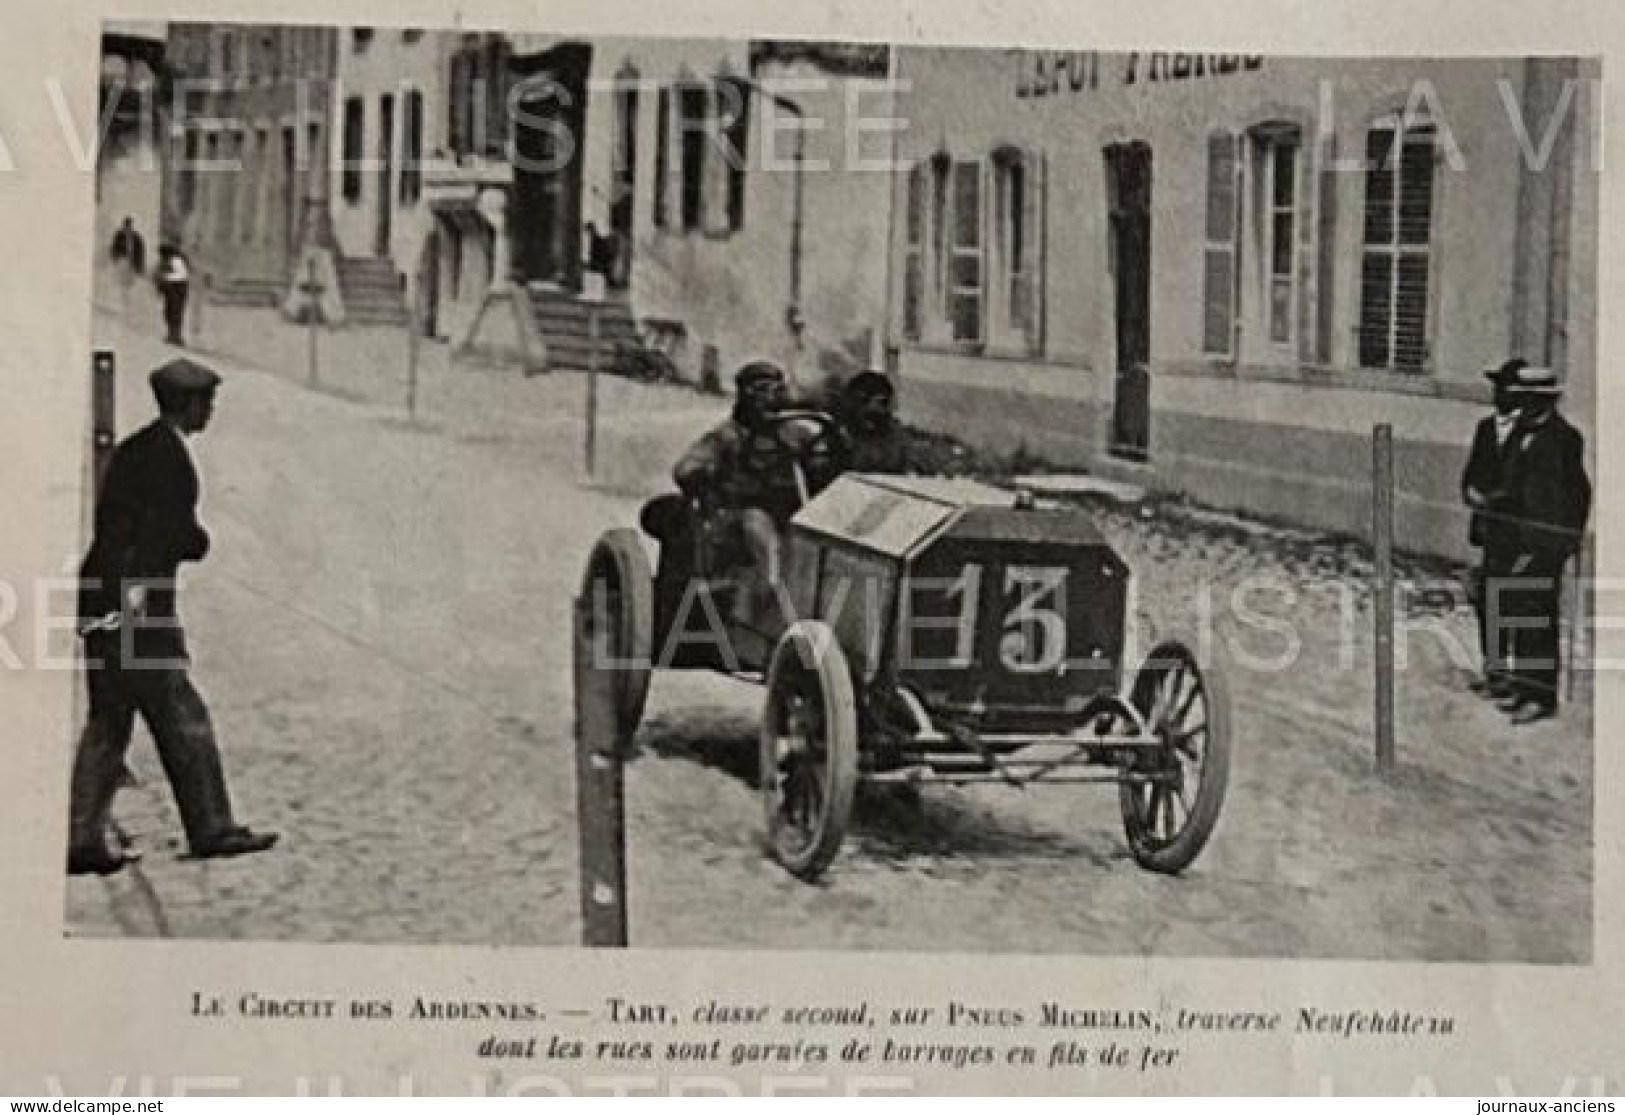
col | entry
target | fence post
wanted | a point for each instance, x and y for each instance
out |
(592, 384)
(103, 424)
(1382, 599)
(413, 342)
(312, 288)
(600, 794)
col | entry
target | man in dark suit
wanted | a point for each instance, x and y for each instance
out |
(1548, 496)
(1490, 529)
(135, 650)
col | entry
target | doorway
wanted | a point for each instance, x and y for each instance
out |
(549, 127)
(386, 175)
(1128, 191)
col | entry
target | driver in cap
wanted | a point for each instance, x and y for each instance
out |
(737, 471)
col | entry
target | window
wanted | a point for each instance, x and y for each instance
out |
(457, 105)
(476, 102)
(662, 157)
(355, 110)
(734, 97)
(228, 54)
(1394, 261)
(360, 39)
(412, 157)
(411, 34)
(1277, 151)
(623, 200)
(914, 253)
(1018, 205)
(1221, 256)
(259, 174)
(691, 138)
(966, 286)
(188, 172)
(942, 166)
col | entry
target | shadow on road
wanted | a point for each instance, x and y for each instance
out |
(889, 822)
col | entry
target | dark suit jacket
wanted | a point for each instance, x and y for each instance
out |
(1547, 488)
(146, 523)
(1490, 526)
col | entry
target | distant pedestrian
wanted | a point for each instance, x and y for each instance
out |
(128, 253)
(1548, 496)
(1490, 528)
(173, 277)
(135, 650)
(128, 248)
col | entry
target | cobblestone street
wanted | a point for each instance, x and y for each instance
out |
(382, 632)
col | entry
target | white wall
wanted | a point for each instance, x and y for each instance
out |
(388, 64)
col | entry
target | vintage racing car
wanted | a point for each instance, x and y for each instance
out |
(923, 633)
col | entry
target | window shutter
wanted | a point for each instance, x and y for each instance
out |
(1325, 250)
(967, 267)
(914, 252)
(714, 171)
(1220, 259)
(736, 107)
(1035, 222)
(662, 157)
(1394, 277)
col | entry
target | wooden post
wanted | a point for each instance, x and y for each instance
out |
(413, 341)
(592, 385)
(1382, 597)
(312, 287)
(103, 424)
(600, 794)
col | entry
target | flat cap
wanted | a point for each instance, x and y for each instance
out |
(870, 385)
(758, 371)
(183, 376)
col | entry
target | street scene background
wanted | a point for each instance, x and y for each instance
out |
(383, 635)
(1126, 279)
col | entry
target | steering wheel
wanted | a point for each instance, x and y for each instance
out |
(807, 442)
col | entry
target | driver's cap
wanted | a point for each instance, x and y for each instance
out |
(758, 373)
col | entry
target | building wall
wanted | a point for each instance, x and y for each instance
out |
(1278, 431)
(240, 204)
(129, 168)
(733, 288)
(393, 62)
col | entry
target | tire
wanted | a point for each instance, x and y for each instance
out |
(808, 772)
(1168, 691)
(618, 595)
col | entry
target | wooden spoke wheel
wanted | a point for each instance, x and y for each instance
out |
(1172, 793)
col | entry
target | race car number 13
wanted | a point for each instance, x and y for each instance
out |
(1034, 629)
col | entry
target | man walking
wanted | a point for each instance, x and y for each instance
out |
(1548, 496)
(135, 650)
(1490, 528)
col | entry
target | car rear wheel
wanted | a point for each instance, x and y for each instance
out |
(618, 596)
(809, 749)
(1173, 791)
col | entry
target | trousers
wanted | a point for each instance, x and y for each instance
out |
(1494, 635)
(162, 694)
(1530, 606)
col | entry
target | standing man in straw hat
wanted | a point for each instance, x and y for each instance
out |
(1490, 528)
(1549, 500)
(135, 650)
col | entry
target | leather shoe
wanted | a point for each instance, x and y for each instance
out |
(1512, 702)
(234, 842)
(98, 861)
